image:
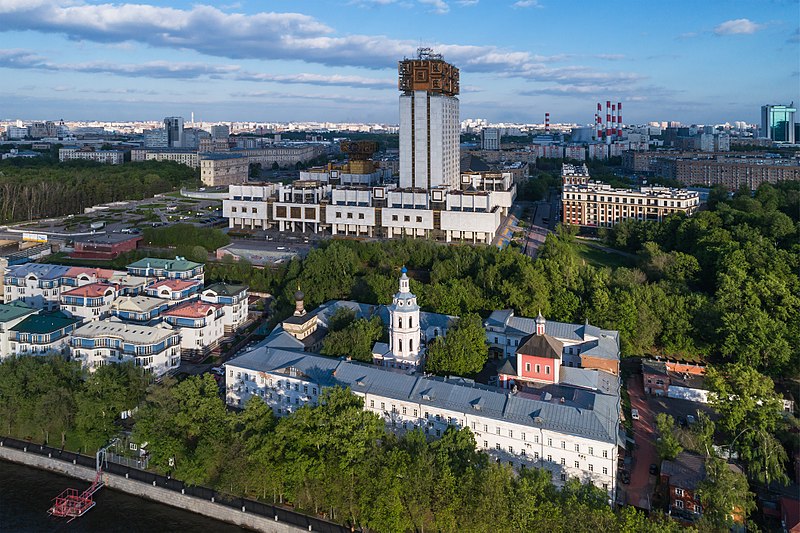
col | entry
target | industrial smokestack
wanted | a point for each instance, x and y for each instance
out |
(598, 122)
(547, 123)
(613, 120)
(619, 119)
(608, 121)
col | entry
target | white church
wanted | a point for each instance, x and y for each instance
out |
(404, 350)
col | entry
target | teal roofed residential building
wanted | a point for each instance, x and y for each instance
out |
(10, 315)
(178, 268)
(42, 333)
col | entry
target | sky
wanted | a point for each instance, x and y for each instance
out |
(698, 61)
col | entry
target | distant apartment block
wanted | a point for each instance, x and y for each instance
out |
(178, 268)
(490, 139)
(72, 153)
(184, 156)
(220, 169)
(598, 204)
(731, 173)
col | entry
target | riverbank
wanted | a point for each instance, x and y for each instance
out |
(28, 493)
(255, 518)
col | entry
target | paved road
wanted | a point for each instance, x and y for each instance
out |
(640, 489)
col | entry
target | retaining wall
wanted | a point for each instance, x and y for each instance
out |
(174, 498)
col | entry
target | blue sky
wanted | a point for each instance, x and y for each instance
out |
(699, 61)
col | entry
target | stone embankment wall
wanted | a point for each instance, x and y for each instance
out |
(217, 511)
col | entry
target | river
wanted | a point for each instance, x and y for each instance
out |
(26, 494)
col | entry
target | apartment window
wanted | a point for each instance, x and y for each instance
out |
(578, 448)
(349, 215)
(550, 442)
(523, 436)
(563, 445)
(510, 449)
(536, 439)
(361, 216)
(605, 486)
(383, 406)
(536, 455)
(419, 219)
(605, 454)
(550, 458)
(563, 462)
(404, 410)
(497, 446)
(522, 453)
(233, 209)
(473, 426)
(406, 219)
(372, 403)
(486, 444)
(510, 434)
(678, 492)
(679, 504)
(563, 477)
(577, 464)
(547, 369)
(338, 214)
(415, 413)
(394, 218)
(591, 450)
(497, 430)
(591, 468)
(485, 428)
(697, 509)
(528, 367)
(538, 368)
(605, 471)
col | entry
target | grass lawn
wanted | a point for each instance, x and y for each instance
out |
(600, 258)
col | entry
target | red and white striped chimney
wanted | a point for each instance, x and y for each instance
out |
(613, 120)
(547, 123)
(619, 120)
(608, 120)
(598, 121)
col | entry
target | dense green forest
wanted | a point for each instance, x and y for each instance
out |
(31, 188)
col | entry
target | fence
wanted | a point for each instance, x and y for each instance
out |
(310, 523)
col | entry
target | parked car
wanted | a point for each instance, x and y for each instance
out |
(653, 469)
(218, 370)
(635, 414)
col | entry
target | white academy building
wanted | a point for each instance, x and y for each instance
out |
(432, 199)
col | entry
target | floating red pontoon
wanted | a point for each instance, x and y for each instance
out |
(72, 504)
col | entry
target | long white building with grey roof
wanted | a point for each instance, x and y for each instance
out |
(569, 430)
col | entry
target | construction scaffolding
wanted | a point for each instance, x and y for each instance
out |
(71, 504)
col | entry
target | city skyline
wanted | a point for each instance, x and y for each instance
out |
(337, 60)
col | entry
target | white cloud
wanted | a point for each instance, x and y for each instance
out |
(467, 3)
(261, 36)
(527, 3)
(437, 6)
(738, 27)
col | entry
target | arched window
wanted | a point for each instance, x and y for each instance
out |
(410, 322)
(399, 322)
(411, 345)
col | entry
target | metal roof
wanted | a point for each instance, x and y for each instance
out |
(14, 310)
(584, 413)
(45, 323)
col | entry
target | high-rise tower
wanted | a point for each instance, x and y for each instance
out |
(174, 127)
(429, 123)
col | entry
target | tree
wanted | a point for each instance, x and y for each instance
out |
(750, 412)
(462, 352)
(724, 494)
(355, 340)
(667, 444)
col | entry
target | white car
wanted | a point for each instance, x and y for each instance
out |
(635, 414)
